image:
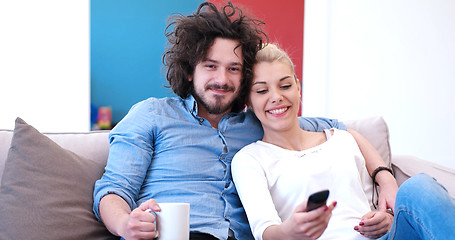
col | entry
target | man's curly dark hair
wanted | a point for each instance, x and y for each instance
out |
(190, 38)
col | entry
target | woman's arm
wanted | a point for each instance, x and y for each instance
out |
(385, 179)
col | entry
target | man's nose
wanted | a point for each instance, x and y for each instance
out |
(222, 76)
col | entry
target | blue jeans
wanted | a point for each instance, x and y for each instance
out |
(423, 210)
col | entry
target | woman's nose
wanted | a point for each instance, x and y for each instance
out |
(276, 97)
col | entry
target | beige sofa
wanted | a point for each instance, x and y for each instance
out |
(47, 179)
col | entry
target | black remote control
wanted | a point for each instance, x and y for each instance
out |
(317, 200)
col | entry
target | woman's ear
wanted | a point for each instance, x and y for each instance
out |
(248, 104)
(299, 85)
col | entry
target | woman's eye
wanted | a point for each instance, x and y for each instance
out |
(286, 86)
(234, 69)
(262, 91)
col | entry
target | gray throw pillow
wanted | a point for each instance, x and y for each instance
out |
(46, 191)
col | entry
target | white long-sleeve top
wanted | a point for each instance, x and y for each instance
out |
(272, 181)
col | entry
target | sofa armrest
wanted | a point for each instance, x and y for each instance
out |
(405, 166)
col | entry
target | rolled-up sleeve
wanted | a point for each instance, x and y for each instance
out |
(130, 155)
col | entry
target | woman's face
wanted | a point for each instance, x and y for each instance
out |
(275, 95)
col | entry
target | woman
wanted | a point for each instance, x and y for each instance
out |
(275, 176)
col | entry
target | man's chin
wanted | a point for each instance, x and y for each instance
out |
(216, 104)
(219, 109)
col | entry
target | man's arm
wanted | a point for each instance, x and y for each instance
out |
(114, 213)
(318, 124)
(115, 194)
(121, 221)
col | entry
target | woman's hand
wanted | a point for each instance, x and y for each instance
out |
(388, 191)
(302, 224)
(375, 224)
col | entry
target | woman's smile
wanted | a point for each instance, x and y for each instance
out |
(278, 111)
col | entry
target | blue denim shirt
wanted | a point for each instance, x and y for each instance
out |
(163, 150)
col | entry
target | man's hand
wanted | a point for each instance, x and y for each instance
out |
(141, 222)
(375, 224)
(131, 225)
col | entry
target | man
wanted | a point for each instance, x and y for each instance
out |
(180, 149)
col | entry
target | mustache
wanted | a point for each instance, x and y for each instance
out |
(221, 87)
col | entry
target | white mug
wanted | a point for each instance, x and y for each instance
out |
(173, 221)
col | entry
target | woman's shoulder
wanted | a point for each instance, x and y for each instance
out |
(249, 149)
(343, 139)
(254, 151)
(341, 133)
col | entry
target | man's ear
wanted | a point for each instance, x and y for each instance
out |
(190, 78)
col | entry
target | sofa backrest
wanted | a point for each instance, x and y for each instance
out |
(375, 130)
(93, 145)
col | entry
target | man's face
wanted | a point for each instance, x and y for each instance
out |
(217, 78)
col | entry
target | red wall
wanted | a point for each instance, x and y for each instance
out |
(284, 24)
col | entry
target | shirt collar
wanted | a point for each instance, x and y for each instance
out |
(191, 104)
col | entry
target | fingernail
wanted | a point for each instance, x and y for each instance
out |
(361, 223)
(356, 228)
(335, 204)
(325, 208)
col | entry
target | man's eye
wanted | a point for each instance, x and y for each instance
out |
(210, 66)
(235, 69)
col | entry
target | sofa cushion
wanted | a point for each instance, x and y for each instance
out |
(46, 191)
(5, 142)
(93, 144)
(375, 130)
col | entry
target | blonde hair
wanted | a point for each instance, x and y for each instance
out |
(270, 52)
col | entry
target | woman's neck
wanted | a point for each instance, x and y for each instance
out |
(294, 138)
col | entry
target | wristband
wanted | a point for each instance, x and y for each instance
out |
(377, 170)
(375, 184)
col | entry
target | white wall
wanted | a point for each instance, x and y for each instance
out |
(390, 58)
(44, 64)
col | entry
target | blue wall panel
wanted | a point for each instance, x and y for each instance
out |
(127, 43)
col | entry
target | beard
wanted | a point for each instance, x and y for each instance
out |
(215, 104)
